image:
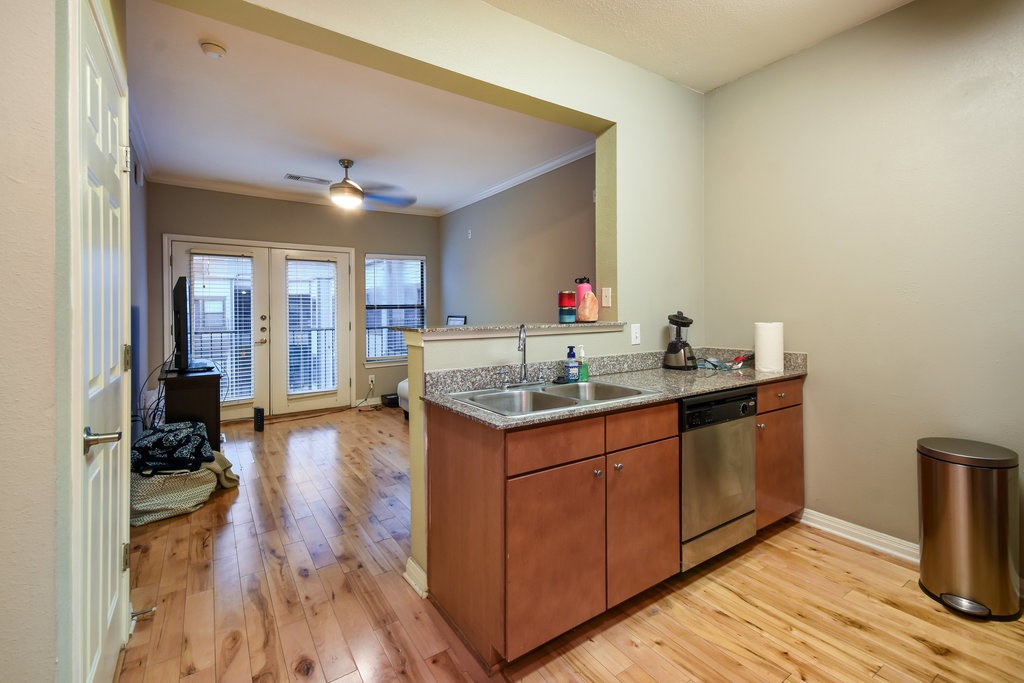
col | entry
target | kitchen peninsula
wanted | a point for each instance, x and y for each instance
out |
(540, 521)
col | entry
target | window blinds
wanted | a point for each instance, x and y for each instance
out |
(312, 322)
(394, 298)
(222, 319)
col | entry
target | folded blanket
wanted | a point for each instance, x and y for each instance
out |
(171, 447)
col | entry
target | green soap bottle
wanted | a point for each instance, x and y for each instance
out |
(584, 368)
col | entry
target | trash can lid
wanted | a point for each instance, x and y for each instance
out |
(967, 452)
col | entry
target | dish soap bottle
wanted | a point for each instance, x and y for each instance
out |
(584, 368)
(571, 368)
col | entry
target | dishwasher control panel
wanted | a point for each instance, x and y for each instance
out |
(711, 409)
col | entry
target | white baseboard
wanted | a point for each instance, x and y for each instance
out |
(416, 577)
(883, 543)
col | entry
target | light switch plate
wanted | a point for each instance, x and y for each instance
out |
(634, 333)
(606, 297)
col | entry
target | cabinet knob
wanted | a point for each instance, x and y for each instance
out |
(598, 473)
(781, 394)
(761, 425)
(618, 467)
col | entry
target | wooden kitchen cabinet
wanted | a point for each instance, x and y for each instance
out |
(532, 532)
(643, 518)
(780, 451)
(555, 569)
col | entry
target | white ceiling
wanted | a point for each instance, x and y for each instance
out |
(701, 44)
(268, 108)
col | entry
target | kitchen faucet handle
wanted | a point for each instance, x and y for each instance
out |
(503, 376)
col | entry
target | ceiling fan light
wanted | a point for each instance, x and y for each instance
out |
(347, 194)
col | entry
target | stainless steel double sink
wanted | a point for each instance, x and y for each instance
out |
(534, 398)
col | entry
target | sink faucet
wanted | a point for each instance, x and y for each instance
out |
(522, 347)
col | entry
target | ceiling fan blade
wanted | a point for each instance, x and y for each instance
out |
(400, 201)
(375, 187)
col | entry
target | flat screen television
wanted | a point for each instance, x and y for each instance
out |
(181, 310)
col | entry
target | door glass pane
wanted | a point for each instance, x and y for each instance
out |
(312, 319)
(222, 319)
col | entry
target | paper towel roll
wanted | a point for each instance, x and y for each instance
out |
(768, 347)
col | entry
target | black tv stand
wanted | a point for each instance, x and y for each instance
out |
(193, 396)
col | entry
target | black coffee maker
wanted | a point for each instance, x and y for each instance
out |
(679, 354)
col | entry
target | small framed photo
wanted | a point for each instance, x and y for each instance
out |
(456, 320)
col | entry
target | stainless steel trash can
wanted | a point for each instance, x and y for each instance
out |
(970, 538)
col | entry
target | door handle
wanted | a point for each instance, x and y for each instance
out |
(260, 341)
(89, 439)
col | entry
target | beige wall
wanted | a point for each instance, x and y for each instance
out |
(527, 243)
(867, 192)
(29, 298)
(186, 211)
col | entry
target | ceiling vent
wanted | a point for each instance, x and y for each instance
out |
(306, 179)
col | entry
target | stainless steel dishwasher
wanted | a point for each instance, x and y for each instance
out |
(718, 465)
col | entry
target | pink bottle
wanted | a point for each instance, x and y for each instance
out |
(586, 301)
(582, 287)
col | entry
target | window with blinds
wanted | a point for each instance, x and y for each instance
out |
(222, 319)
(394, 298)
(312, 323)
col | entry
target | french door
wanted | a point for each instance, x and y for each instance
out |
(274, 320)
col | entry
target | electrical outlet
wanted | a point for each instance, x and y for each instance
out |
(606, 297)
(634, 334)
(372, 378)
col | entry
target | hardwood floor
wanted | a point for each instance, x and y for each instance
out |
(297, 575)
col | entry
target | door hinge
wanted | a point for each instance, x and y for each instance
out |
(126, 358)
(124, 557)
(126, 159)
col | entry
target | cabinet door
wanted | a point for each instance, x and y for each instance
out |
(780, 464)
(643, 518)
(555, 537)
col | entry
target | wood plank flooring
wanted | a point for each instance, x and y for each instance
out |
(297, 576)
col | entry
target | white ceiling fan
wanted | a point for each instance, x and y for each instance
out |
(349, 194)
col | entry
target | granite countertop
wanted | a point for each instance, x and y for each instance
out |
(667, 385)
(511, 329)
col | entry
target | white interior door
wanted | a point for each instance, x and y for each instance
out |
(100, 485)
(309, 352)
(275, 320)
